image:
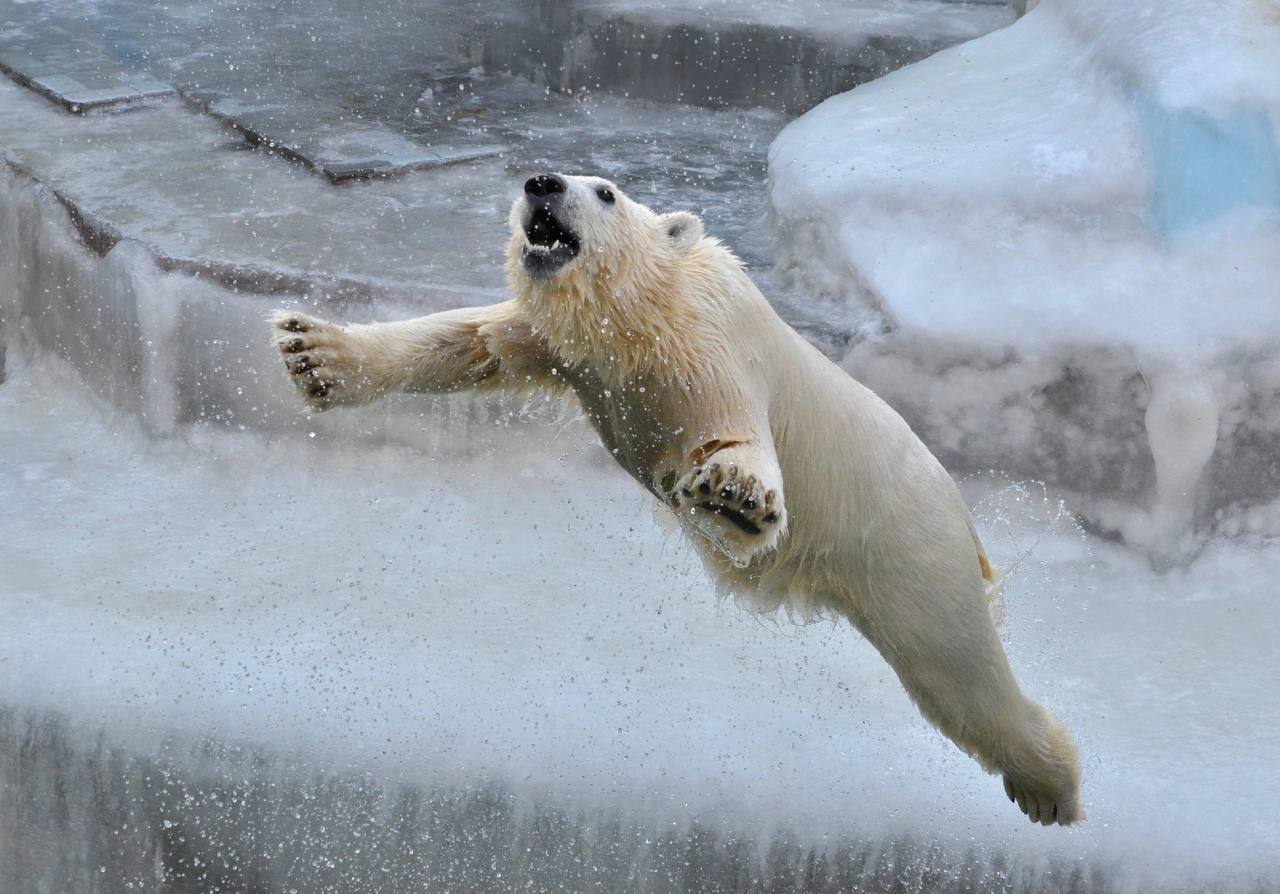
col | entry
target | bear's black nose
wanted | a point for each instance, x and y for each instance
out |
(544, 185)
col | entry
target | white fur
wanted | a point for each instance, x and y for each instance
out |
(691, 379)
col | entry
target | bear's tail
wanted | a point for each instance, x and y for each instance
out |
(992, 580)
(993, 588)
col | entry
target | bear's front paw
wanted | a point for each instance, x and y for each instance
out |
(324, 362)
(751, 510)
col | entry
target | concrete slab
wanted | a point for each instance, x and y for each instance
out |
(333, 142)
(84, 92)
(75, 95)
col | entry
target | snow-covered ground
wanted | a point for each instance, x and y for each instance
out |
(1072, 229)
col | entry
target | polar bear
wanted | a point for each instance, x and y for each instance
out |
(799, 485)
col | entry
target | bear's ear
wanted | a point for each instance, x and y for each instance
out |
(682, 228)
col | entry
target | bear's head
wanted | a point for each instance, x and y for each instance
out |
(600, 274)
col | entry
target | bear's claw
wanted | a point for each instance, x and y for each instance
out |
(741, 500)
(1041, 806)
(317, 356)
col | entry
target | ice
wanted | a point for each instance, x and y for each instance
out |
(1182, 429)
(1052, 220)
(1205, 165)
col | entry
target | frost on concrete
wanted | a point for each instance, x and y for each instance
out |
(1071, 228)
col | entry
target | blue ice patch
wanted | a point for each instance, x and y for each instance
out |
(1203, 165)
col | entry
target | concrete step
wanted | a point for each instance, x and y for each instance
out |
(84, 93)
(787, 56)
(337, 145)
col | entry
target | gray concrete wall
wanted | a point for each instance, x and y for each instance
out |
(572, 48)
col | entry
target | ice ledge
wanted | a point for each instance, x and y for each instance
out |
(1074, 244)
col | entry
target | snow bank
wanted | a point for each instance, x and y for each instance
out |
(1072, 230)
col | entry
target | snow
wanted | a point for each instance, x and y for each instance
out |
(1096, 179)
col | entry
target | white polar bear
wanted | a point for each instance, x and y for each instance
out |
(799, 484)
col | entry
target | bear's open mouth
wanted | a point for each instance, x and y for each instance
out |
(549, 244)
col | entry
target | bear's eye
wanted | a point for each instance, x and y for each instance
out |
(605, 194)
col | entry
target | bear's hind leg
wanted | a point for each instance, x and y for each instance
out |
(945, 650)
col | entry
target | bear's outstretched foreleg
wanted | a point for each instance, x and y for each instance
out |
(939, 638)
(333, 365)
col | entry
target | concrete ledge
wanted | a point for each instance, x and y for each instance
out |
(340, 152)
(574, 47)
(204, 815)
(85, 93)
